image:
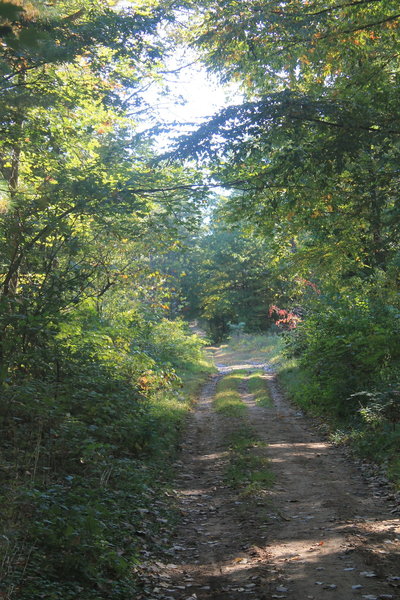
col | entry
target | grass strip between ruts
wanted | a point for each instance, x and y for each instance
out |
(258, 388)
(247, 467)
(228, 400)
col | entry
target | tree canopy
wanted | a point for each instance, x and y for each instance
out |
(279, 213)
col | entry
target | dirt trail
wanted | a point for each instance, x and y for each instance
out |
(321, 531)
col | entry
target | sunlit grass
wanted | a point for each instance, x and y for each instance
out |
(227, 399)
(258, 388)
(194, 378)
(249, 348)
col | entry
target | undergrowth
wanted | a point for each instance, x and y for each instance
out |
(86, 460)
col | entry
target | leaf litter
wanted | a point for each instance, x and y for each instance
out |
(255, 551)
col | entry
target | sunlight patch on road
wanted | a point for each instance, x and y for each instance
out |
(210, 457)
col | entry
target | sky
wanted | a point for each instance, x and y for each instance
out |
(194, 95)
(191, 95)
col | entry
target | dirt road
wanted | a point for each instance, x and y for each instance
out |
(321, 531)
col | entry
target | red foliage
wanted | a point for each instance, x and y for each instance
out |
(286, 320)
(310, 284)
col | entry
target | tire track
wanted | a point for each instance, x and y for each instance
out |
(316, 534)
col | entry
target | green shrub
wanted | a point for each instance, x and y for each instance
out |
(85, 443)
(172, 344)
(344, 349)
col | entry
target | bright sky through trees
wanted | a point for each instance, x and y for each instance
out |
(293, 169)
(188, 94)
(194, 95)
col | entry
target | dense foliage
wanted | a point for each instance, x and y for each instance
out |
(105, 246)
(90, 367)
(311, 158)
(224, 278)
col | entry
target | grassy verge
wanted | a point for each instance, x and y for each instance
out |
(85, 481)
(194, 377)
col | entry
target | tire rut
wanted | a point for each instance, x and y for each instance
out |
(331, 538)
(318, 533)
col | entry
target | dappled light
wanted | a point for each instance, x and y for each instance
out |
(313, 527)
(199, 299)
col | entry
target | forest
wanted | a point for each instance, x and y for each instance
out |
(277, 216)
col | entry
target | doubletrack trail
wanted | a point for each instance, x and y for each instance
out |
(320, 531)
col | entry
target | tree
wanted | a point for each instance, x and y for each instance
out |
(314, 146)
(87, 358)
(223, 276)
(310, 154)
(81, 202)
